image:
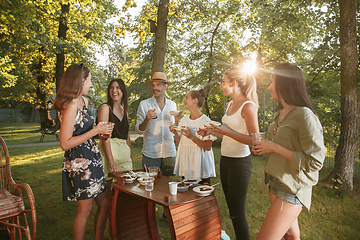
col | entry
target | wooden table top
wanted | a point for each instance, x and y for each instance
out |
(160, 194)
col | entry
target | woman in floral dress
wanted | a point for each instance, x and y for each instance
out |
(82, 174)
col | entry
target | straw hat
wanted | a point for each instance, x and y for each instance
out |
(158, 77)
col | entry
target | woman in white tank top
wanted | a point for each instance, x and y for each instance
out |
(239, 121)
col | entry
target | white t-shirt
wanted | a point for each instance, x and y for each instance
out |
(191, 160)
(229, 146)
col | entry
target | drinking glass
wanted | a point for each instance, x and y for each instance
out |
(258, 137)
(107, 123)
(153, 171)
(149, 183)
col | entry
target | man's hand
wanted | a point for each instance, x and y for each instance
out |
(151, 114)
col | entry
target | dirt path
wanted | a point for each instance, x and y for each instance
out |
(132, 138)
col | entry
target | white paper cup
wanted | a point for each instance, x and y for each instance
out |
(173, 188)
(258, 137)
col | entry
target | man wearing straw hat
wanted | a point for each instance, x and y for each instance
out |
(153, 120)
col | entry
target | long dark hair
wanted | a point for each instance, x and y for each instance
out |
(71, 85)
(290, 85)
(124, 99)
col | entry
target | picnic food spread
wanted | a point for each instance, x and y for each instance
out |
(205, 189)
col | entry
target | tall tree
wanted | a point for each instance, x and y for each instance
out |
(349, 134)
(160, 36)
(60, 55)
(30, 26)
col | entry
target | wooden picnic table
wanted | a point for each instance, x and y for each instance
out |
(132, 212)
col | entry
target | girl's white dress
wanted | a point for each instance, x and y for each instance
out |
(191, 160)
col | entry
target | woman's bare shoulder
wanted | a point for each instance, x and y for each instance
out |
(103, 107)
(103, 111)
(70, 106)
(249, 107)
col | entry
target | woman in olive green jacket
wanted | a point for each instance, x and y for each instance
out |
(296, 153)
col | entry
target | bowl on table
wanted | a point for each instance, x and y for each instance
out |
(129, 178)
(142, 174)
(203, 190)
(194, 182)
(207, 124)
(141, 181)
(133, 174)
(183, 187)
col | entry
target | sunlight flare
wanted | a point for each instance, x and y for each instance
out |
(249, 67)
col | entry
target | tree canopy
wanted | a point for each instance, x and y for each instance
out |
(29, 37)
(203, 39)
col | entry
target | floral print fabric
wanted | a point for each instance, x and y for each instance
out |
(82, 172)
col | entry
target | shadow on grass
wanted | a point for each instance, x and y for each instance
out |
(332, 215)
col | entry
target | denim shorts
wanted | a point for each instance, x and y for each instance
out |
(280, 191)
(166, 165)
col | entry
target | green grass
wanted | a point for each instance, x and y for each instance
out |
(334, 213)
(20, 133)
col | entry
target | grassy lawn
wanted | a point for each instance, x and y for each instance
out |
(334, 214)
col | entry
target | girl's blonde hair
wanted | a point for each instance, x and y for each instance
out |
(246, 82)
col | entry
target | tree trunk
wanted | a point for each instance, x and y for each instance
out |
(45, 120)
(60, 57)
(160, 37)
(347, 149)
(211, 61)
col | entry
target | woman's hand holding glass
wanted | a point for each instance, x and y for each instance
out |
(105, 129)
(263, 147)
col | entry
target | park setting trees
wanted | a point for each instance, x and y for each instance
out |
(40, 38)
(203, 39)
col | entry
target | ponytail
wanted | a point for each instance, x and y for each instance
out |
(199, 95)
(246, 82)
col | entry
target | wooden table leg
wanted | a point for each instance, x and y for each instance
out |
(152, 221)
(131, 217)
(112, 216)
(170, 222)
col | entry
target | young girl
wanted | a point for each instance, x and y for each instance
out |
(239, 121)
(116, 153)
(82, 175)
(195, 158)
